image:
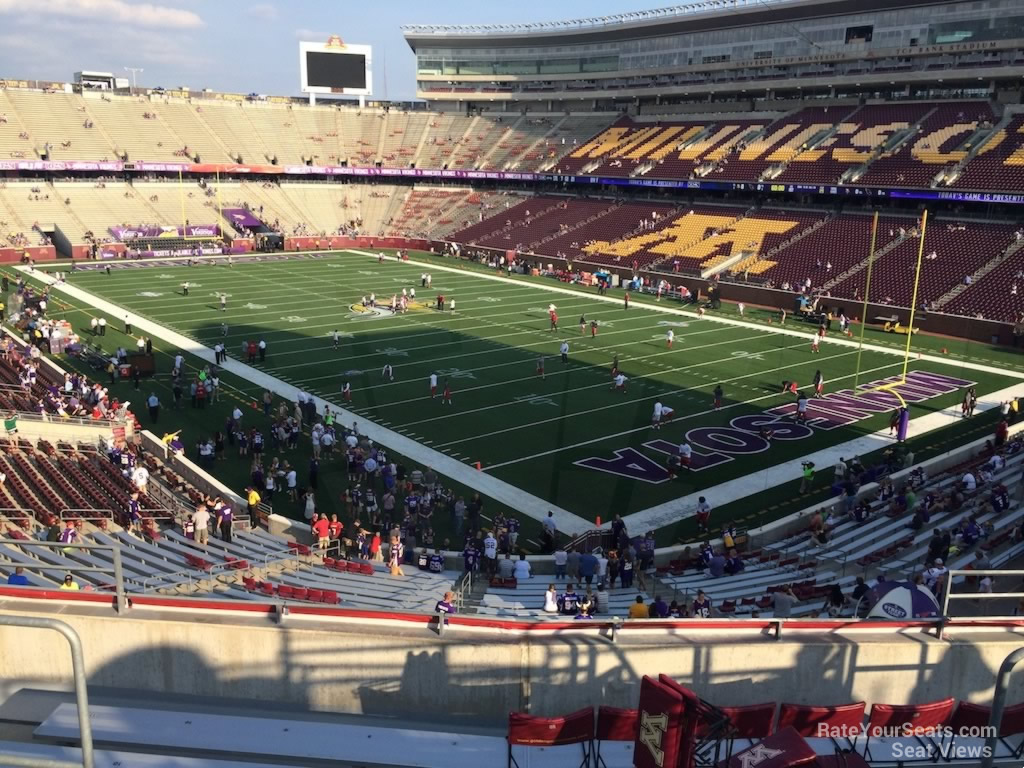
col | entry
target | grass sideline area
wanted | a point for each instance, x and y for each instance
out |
(530, 432)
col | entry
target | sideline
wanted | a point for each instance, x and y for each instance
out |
(499, 490)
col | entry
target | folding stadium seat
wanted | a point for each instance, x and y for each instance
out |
(250, 583)
(267, 588)
(727, 606)
(315, 595)
(300, 593)
(285, 592)
(302, 549)
(329, 562)
(366, 569)
(812, 722)
(530, 731)
(887, 718)
(975, 716)
(614, 724)
(330, 598)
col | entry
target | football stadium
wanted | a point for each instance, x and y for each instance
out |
(646, 391)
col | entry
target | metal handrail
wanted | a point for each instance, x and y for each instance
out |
(81, 692)
(28, 514)
(215, 570)
(116, 569)
(949, 595)
(995, 718)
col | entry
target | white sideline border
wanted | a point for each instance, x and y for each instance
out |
(739, 488)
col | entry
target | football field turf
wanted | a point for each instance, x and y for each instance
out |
(555, 437)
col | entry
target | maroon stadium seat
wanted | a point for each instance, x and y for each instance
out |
(806, 720)
(615, 724)
(530, 731)
(888, 718)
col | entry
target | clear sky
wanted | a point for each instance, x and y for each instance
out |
(241, 45)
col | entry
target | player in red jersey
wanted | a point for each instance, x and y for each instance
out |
(446, 398)
(540, 366)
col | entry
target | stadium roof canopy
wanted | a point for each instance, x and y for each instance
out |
(692, 17)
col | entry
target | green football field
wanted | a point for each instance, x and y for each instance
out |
(555, 437)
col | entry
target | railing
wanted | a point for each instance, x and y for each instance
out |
(463, 588)
(81, 692)
(19, 513)
(953, 575)
(116, 571)
(192, 577)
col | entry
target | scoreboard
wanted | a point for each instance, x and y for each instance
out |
(336, 67)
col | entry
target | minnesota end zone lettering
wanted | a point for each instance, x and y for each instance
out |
(714, 446)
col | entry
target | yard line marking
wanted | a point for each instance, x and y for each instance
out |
(837, 340)
(647, 427)
(563, 371)
(520, 361)
(620, 403)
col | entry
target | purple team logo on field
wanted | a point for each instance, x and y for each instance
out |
(714, 446)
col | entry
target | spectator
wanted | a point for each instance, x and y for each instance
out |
(934, 575)
(602, 566)
(659, 608)
(588, 567)
(569, 601)
(18, 578)
(601, 600)
(734, 563)
(561, 558)
(522, 568)
(836, 601)
(639, 610)
(701, 606)
(321, 531)
(783, 601)
(573, 564)
(201, 519)
(860, 589)
(446, 604)
(716, 566)
(551, 599)
(70, 584)
(969, 482)
(490, 554)
(506, 568)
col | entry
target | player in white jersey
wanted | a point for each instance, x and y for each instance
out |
(433, 385)
(412, 294)
(346, 392)
(815, 342)
(337, 338)
(387, 372)
(656, 417)
(685, 454)
(670, 336)
(620, 383)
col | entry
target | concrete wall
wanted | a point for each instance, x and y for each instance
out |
(409, 671)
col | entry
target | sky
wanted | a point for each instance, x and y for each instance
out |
(242, 46)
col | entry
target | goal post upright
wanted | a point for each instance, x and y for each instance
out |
(867, 292)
